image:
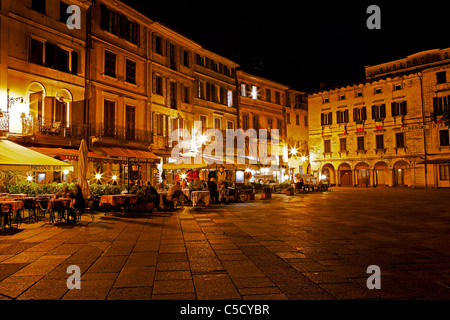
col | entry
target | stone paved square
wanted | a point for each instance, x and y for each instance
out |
(314, 246)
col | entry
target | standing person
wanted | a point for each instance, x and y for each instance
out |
(212, 186)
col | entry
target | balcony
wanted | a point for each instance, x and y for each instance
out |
(50, 128)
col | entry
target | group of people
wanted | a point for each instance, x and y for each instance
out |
(77, 198)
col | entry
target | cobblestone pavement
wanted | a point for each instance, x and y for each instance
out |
(303, 247)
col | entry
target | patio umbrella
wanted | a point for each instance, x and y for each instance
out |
(83, 169)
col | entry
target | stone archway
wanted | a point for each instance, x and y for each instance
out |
(362, 174)
(345, 175)
(402, 174)
(381, 174)
(329, 173)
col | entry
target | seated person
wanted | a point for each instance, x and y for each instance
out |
(172, 190)
(212, 187)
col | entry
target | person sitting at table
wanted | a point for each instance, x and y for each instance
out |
(172, 190)
(154, 196)
(64, 193)
(79, 203)
(212, 187)
(223, 192)
(198, 185)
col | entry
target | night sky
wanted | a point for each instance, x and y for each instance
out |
(304, 45)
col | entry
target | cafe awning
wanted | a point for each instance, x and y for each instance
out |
(16, 157)
(67, 154)
(137, 154)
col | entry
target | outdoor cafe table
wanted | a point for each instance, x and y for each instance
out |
(15, 204)
(22, 195)
(68, 203)
(117, 199)
(196, 196)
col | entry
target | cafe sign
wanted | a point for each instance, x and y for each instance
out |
(47, 168)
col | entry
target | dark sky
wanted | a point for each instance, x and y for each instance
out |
(302, 45)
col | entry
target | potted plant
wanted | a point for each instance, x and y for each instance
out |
(266, 193)
(289, 191)
(248, 189)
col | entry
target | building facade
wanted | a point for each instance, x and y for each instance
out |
(386, 130)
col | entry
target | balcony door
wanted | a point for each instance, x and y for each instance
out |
(130, 122)
(109, 121)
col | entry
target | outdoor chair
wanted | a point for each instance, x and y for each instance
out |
(29, 206)
(60, 208)
(8, 217)
(177, 198)
(91, 207)
(42, 208)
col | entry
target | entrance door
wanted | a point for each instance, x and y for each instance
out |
(346, 178)
(400, 177)
(381, 178)
(363, 177)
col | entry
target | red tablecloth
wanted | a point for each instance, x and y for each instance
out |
(15, 204)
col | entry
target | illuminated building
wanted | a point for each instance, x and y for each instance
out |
(382, 131)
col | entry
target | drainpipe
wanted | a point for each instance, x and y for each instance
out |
(424, 132)
(87, 64)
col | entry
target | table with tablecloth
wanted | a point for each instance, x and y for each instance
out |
(117, 199)
(15, 205)
(196, 196)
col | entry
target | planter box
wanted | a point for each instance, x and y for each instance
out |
(266, 195)
(289, 192)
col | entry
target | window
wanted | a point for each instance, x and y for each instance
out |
(230, 124)
(343, 144)
(173, 95)
(441, 77)
(341, 97)
(158, 86)
(256, 123)
(36, 53)
(222, 96)
(186, 58)
(218, 123)
(280, 126)
(119, 25)
(359, 114)
(130, 72)
(444, 172)
(397, 87)
(230, 98)
(130, 122)
(400, 139)
(444, 138)
(441, 104)
(254, 92)
(109, 116)
(297, 119)
(377, 91)
(201, 90)
(63, 15)
(380, 142)
(269, 124)
(110, 64)
(243, 90)
(245, 122)
(56, 57)
(306, 121)
(160, 124)
(200, 60)
(268, 95)
(327, 146)
(288, 118)
(277, 97)
(326, 100)
(38, 5)
(204, 121)
(359, 94)
(186, 94)
(158, 45)
(326, 119)
(360, 143)
(342, 116)
(398, 108)
(379, 112)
